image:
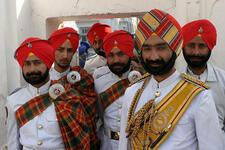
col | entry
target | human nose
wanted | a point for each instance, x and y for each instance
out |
(154, 54)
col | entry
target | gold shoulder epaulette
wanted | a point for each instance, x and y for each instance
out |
(194, 80)
(139, 79)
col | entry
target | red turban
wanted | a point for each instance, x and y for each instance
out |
(204, 28)
(98, 30)
(40, 48)
(58, 37)
(121, 39)
(163, 25)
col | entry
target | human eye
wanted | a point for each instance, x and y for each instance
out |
(191, 45)
(60, 49)
(146, 47)
(27, 63)
(69, 50)
(120, 54)
(37, 62)
(202, 46)
(110, 55)
(161, 47)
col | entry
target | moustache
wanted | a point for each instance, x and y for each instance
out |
(33, 74)
(64, 60)
(197, 56)
(155, 62)
(117, 64)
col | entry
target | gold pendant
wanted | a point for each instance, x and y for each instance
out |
(157, 94)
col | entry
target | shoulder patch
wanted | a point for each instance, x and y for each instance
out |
(16, 90)
(91, 57)
(194, 80)
(100, 75)
(101, 71)
(140, 79)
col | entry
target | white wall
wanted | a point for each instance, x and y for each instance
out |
(89, 9)
(216, 15)
(60, 8)
(3, 76)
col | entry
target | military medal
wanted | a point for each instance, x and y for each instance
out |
(200, 30)
(134, 75)
(56, 90)
(29, 45)
(69, 35)
(159, 122)
(73, 77)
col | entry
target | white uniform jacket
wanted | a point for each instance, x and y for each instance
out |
(55, 75)
(104, 79)
(40, 133)
(93, 63)
(197, 129)
(215, 78)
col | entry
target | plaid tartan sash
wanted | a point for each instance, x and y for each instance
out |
(113, 93)
(88, 98)
(75, 111)
(70, 114)
(32, 108)
(73, 121)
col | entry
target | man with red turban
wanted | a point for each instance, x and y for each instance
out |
(111, 82)
(65, 43)
(199, 41)
(164, 109)
(39, 130)
(95, 36)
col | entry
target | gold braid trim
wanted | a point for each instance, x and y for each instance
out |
(149, 127)
(133, 124)
(193, 80)
(139, 79)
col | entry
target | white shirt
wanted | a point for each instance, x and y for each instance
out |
(93, 63)
(215, 78)
(198, 128)
(55, 75)
(42, 132)
(104, 79)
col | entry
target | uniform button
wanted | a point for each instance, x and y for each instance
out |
(120, 106)
(40, 143)
(40, 126)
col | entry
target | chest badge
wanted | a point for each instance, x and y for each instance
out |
(56, 90)
(134, 75)
(73, 77)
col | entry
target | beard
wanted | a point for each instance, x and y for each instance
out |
(100, 52)
(36, 77)
(160, 66)
(197, 61)
(63, 63)
(120, 68)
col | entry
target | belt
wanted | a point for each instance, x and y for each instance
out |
(29, 148)
(112, 134)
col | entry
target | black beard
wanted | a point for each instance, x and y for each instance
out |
(119, 72)
(164, 67)
(203, 59)
(100, 52)
(36, 77)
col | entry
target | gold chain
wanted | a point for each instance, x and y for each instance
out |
(134, 123)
